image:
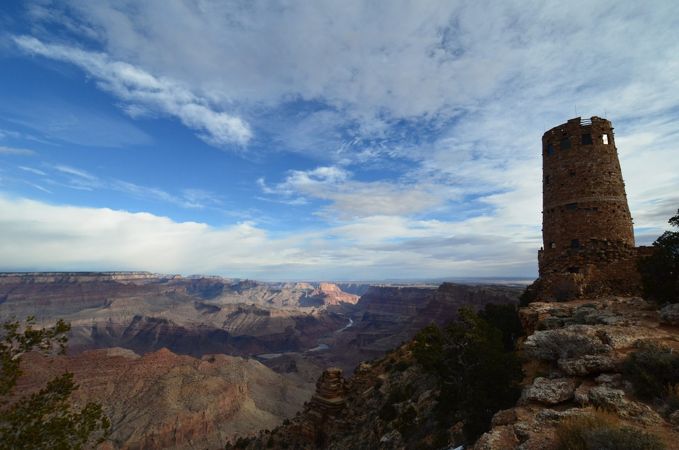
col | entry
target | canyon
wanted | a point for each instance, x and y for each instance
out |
(164, 400)
(196, 362)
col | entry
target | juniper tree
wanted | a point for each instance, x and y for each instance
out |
(45, 419)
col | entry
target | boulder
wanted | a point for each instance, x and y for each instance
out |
(549, 391)
(571, 342)
(504, 417)
(622, 337)
(609, 379)
(587, 364)
(581, 395)
(611, 399)
(392, 440)
(670, 314)
(607, 397)
(591, 315)
(499, 438)
(674, 418)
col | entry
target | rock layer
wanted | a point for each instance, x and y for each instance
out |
(578, 348)
(164, 400)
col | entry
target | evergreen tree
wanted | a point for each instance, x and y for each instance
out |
(660, 271)
(45, 419)
(478, 373)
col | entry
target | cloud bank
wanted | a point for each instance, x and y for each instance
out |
(40, 236)
(412, 128)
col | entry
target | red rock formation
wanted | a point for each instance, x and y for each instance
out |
(330, 390)
(324, 407)
(164, 400)
(334, 295)
(328, 294)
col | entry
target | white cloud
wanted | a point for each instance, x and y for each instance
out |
(40, 188)
(82, 180)
(476, 83)
(490, 78)
(145, 91)
(189, 198)
(400, 59)
(351, 198)
(15, 151)
(77, 172)
(39, 236)
(32, 170)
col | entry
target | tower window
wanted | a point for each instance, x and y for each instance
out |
(571, 172)
(572, 206)
(604, 139)
(546, 179)
(552, 245)
(587, 139)
(550, 149)
(565, 144)
(575, 243)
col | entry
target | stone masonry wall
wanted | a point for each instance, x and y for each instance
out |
(587, 229)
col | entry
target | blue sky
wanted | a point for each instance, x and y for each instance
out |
(317, 140)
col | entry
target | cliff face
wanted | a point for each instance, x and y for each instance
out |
(390, 402)
(48, 294)
(163, 400)
(193, 315)
(391, 315)
(328, 294)
(575, 354)
(365, 411)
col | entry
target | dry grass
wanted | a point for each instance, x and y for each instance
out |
(602, 430)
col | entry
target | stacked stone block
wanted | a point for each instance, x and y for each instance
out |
(330, 390)
(324, 407)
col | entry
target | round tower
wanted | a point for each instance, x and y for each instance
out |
(585, 209)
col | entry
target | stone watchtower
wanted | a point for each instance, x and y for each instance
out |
(586, 223)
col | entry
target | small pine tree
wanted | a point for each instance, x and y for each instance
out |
(478, 374)
(45, 419)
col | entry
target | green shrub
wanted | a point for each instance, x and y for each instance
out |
(406, 421)
(428, 349)
(652, 370)
(398, 393)
(242, 442)
(529, 295)
(48, 418)
(477, 375)
(672, 398)
(660, 271)
(401, 366)
(599, 431)
(506, 319)
(388, 412)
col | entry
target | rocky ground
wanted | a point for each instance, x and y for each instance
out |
(574, 362)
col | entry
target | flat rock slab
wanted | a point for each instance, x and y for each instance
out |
(549, 391)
